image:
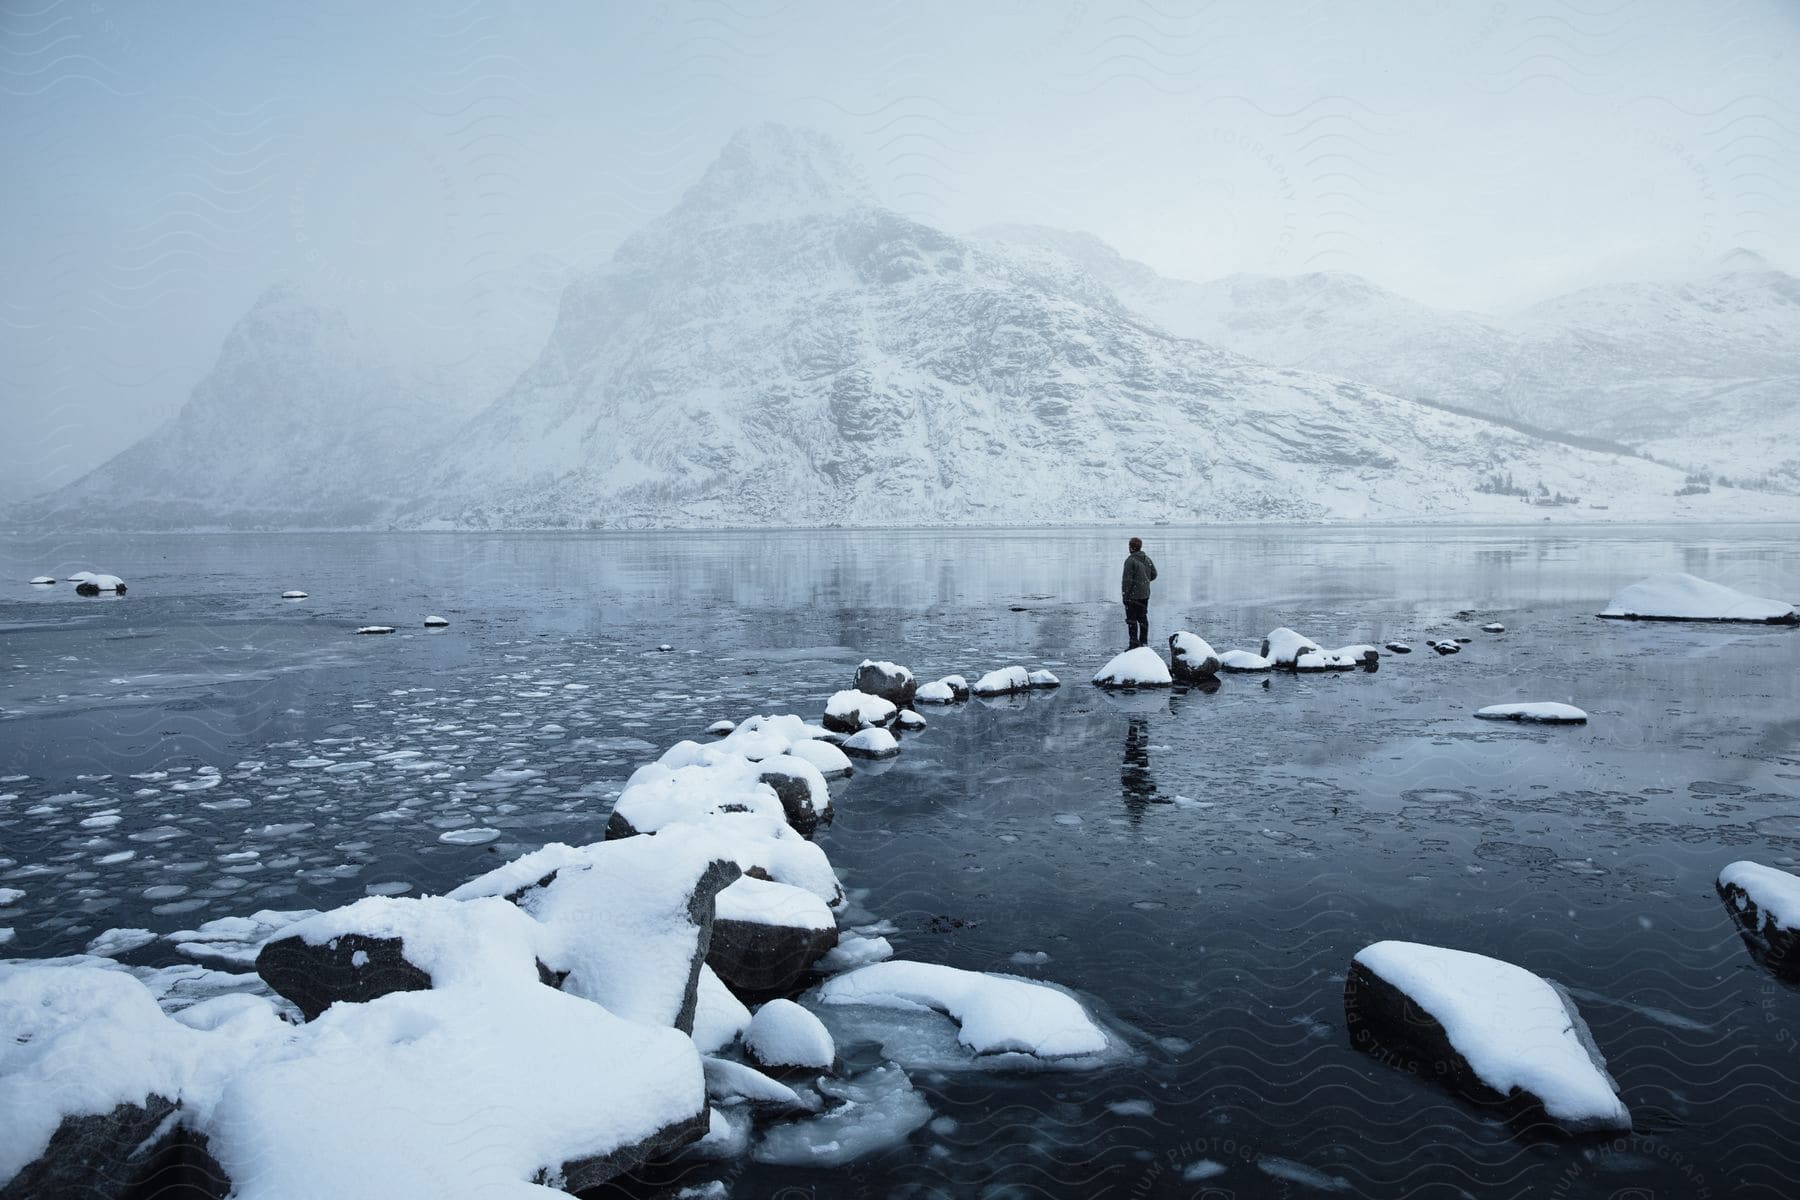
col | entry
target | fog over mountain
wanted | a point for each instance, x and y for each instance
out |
(779, 348)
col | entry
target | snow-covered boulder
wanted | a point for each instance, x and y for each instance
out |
(1493, 1031)
(765, 847)
(1765, 903)
(1398, 648)
(375, 629)
(1545, 712)
(1190, 657)
(996, 1014)
(1445, 647)
(1493, 627)
(1141, 667)
(783, 1035)
(721, 728)
(1323, 660)
(43, 581)
(1283, 646)
(766, 935)
(1243, 660)
(831, 761)
(871, 743)
(935, 692)
(437, 622)
(89, 584)
(909, 720)
(1677, 596)
(1002, 682)
(890, 681)
(713, 781)
(293, 594)
(955, 685)
(849, 711)
(801, 787)
(719, 1016)
(1362, 654)
(1042, 680)
(736, 1083)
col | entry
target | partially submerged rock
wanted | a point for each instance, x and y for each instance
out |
(871, 743)
(1243, 660)
(293, 595)
(376, 629)
(1002, 682)
(767, 935)
(849, 711)
(909, 721)
(1324, 660)
(1677, 596)
(1493, 627)
(1399, 648)
(783, 1035)
(43, 581)
(89, 584)
(801, 787)
(890, 681)
(1141, 667)
(1765, 902)
(1544, 712)
(721, 728)
(1042, 680)
(1445, 647)
(436, 622)
(1283, 647)
(1190, 657)
(1492, 1031)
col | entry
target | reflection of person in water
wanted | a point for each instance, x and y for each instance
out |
(1137, 786)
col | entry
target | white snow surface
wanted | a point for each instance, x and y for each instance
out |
(1001, 681)
(1043, 679)
(1776, 894)
(860, 708)
(1139, 667)
(783, 1034)
(1283, 646)
(1514, 1029)
(1677, 595)
(713, 780)
(873, 743)
(1244, 660)
(1193, 647)
(1547, 711)
(719, 1016)
(826, 757)
(997, 1014)
(1324, 660)
(764, 902)
(935, 692)
(453, 941)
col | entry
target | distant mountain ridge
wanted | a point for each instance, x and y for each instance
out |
(1702, 373)
(781, 349)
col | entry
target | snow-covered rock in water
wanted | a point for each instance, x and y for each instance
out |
(996, 1014)
(460, 1093)
(380, 945)
(766, 935)
(805, 796)
(849, 711)
(1042, 680)
(890, 681)
(293, 595)
(1283, 646)
(1002, 682)
(1493, 627)
(935, 692)
(721, 728)
(1546, 712)
(831, 761)
(1677, 596)
(1323, 660)
(10, 896)
(665, 648)
(763, 846)
(1361, 654)
(436, 622)
(1491, 1030)
(955, 685)
(871, 743)
(1244, 660)
(1445, 647)
(1765, 903)
(909, 720)
(43, 581)
(729, 1082)
(1141, 667)
(373, 629)
(855, 950)
(88, 584)
(721, 782)
(719, 1016)
(756, 738)
(784, 1035)
(1399, 648)
(1191, 658)
(93, 1075)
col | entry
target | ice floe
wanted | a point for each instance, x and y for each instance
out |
(1677, 596)
(1546, 712)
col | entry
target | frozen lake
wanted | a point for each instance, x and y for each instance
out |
(1203, 864)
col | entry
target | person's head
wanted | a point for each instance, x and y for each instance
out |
(1137, 544)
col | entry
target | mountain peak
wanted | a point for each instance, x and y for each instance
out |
(774, 172)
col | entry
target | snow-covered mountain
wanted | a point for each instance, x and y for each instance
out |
(309, 419)
(782, 349)
(1702, 373)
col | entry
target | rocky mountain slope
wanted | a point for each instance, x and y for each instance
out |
(1702, 373)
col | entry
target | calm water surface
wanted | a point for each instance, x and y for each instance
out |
(1203, 865)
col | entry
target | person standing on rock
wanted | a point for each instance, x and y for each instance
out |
(1135, 585)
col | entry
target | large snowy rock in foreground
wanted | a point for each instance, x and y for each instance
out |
(1283, 647)
(1677, 596)
(890, 681)
(1765, 903)
(766, 935)
(1191, 658)
(1543, 712)
(1494, 1032)
(996, 1014)
(1138, 668)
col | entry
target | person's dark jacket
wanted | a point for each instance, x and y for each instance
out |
(1139, 571)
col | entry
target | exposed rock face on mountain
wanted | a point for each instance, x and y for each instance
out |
(1703, 374)
(780, 349)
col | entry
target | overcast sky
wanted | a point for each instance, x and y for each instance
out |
(167, 163)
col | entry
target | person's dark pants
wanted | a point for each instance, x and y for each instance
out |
(1137, 623)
